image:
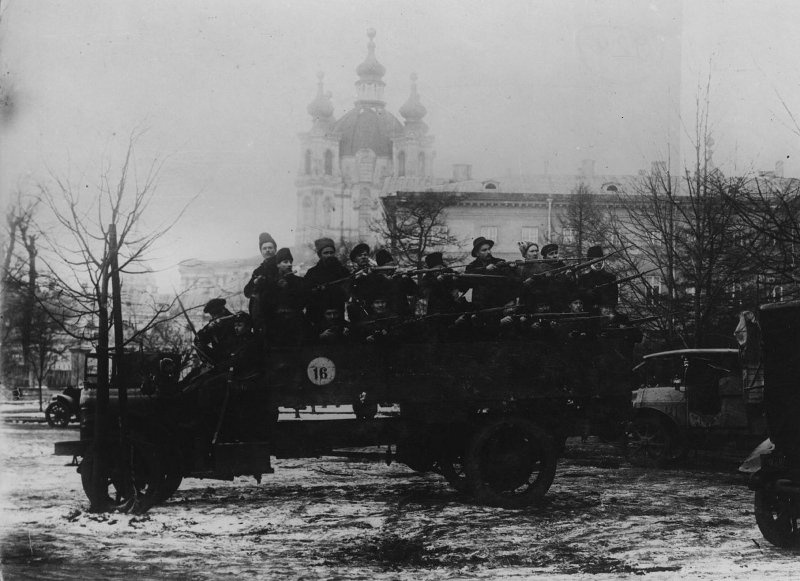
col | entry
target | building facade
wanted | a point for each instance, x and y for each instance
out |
(344, 162)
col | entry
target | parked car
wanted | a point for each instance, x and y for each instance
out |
(63, 408)
(694, 399)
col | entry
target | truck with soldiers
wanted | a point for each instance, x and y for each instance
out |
(483, 391)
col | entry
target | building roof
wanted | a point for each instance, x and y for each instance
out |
(367, 127)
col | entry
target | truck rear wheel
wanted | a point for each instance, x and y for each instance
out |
(511, 462)
(776, 517)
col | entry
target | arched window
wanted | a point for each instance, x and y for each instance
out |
(401, 163)
(308, 162)
(612, 188)
(421, 164)
(490, 186)
(328, 162)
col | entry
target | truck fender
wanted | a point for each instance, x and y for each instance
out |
(752, 463)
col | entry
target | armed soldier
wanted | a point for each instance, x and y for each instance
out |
(532, 289)
(489, 292)
(266, 271)
(402, 286)
(328, 280)
(213, 340)
(284, 299)
(558, 286)
(598, 284)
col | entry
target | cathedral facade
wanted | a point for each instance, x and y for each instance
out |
(344, 162)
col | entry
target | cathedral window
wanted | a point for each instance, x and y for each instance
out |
(328, 162)
(308, 162)
(421, 164)
(401, 163)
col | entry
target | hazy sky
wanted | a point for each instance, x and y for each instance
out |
(222, 88)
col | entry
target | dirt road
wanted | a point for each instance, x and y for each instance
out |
(343, 519)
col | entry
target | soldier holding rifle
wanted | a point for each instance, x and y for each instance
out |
(328, 281)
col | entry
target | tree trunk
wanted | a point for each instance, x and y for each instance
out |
(102, 446)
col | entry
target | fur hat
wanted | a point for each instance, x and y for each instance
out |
(548, 248)
(214, 306)
(382, 257)
(265, 237)
(434, 259)
(358, 249)
(525, 246)
(322, 243)
(478, 242)
(283, 254)
(594, 252)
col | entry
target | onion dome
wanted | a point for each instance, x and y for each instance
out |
(367, 128)
(412, 110)
(371, 70)
(321, 107)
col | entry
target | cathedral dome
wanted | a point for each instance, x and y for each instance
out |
(367, 128)
(371, 70)
(321, 107)
(413, 109)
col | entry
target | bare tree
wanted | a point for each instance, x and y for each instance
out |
(586, 221)
(415, 224)
(685, 228)
(104, 235)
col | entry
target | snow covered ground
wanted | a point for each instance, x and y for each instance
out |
(336, 518)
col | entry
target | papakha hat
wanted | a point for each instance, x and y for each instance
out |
(283, 254)
(322, 243)
(434, 259)
(265, 237)
(594, 252)
(383, 257)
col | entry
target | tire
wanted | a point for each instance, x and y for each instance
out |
(511, 463)
(652, 442)
(776, 517)
(57, 415)
(135, 492)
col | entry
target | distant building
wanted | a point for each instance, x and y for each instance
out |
(203, 280)
(344, 162)
(514, 208)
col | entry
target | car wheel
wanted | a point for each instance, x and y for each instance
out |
(57, 415)
(652, 442)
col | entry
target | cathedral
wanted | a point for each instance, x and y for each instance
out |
(344, 162)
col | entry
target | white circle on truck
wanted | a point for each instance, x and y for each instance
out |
(321, 371)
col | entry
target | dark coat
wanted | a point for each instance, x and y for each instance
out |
(321, 297)
(608, 295)
(489, 293)
(266, 271)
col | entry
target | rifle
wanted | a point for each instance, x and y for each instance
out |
(623, 280)
(578, 266)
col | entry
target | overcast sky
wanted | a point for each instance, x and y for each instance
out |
(222, 88)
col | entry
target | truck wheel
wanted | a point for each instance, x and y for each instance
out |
(134, 492)
(776, 517)
(652, 443)
(511, 462)
(57, 415)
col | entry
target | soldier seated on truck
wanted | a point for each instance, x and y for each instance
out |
(212, 341)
